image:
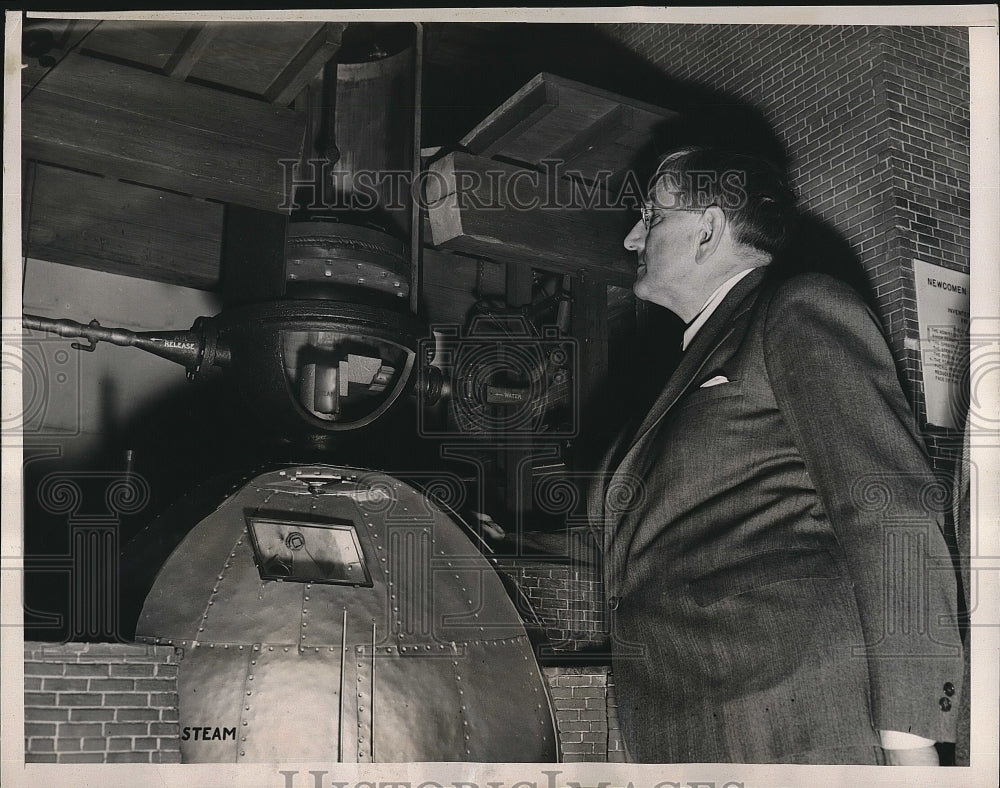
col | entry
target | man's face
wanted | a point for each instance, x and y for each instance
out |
(665, 250)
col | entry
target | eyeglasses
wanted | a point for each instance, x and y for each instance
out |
(648, 213)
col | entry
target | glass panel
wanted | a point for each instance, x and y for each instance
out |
(340, 377)
(308, 552)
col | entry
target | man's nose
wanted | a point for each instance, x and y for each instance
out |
(636, 239)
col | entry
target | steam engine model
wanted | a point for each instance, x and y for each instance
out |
(326, 612)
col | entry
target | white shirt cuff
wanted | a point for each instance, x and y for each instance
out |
(898, 740)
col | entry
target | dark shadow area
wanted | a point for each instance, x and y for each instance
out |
(816, 247)
(508, 55)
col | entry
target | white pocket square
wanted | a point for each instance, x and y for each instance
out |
(716, 381)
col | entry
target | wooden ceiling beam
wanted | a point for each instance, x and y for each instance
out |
(306, 64)
(76, 218)
(114, 120)
(191, 48)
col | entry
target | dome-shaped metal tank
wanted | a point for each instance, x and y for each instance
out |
(329, 613)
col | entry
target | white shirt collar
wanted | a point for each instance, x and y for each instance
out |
(710, 306)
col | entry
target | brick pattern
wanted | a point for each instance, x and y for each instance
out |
(100, 703)
(568, 599)
(926, 83)
(616, 750)
(876, 124)
(579, 695)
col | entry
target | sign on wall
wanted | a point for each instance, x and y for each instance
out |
(943, 318)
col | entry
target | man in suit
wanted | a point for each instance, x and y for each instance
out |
(779, 584)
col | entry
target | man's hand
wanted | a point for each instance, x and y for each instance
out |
(917, 756)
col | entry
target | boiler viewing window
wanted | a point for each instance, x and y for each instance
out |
(308, 552)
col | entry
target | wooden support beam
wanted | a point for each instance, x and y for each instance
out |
(306, 64)
(453, 282)
(512, 119)
(501, 212)
(190, 50)
(66, 36)
(81, 219)
(587, 129)
(114, 120)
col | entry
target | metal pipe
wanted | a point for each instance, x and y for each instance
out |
(193, 349)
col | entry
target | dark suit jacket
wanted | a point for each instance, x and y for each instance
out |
(774, 556)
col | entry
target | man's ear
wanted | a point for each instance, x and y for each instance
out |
(711, 228)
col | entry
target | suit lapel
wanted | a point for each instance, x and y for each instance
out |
(713, 334)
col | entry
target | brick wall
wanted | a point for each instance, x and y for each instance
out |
(117, 703)
(568, 599)
(585, 713)
(875, 123)
(100, 703)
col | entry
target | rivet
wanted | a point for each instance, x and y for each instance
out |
(248, 692)
(250, 677)
(242, 752)
(244, 723)
(243, 738)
